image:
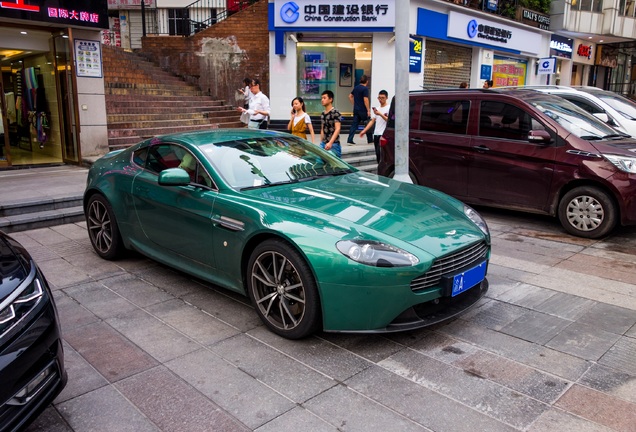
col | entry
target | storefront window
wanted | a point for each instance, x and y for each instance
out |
(588, 5)
(509, 71)
(626, 7)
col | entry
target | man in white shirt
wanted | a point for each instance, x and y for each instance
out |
(258, 108)
(379, 117)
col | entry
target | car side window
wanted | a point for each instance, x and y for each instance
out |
(139, 156)
(450, 116)
(591, 108)
(166, 156)
(502, 120)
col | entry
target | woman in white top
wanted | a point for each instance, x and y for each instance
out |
(247, 94)
(300, 121)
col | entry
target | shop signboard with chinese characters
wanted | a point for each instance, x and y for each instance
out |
(561, 46)
(509, 71)
(88, 58)
(340, 14)
(583, 52)
(61, 13)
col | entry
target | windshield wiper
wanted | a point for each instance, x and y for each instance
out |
(266, 185)
(591, 137)
(616, 136)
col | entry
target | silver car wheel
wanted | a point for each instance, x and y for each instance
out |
(585, 213)
(100, 227)
(278, 290)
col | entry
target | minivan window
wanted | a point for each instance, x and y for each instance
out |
(573, 118)
(502, 120)
(449, 116)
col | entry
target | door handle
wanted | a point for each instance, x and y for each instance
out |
(417, 140)
(481, 148)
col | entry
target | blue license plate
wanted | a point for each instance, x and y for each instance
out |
(468, 279)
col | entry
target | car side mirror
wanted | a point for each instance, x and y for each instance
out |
(539, 136)
(602, 117)
(174, 177)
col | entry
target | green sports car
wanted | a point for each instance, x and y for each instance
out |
(315, 243)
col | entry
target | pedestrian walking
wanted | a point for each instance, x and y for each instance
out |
(330, 125)
(300, 121)
(488, 84)
(247, 94)
(359, 97)
(258, 108)
(379, 118)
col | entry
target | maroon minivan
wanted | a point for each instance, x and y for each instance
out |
(523, 150)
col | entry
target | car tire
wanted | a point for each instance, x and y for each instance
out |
(102, 228)
(283, 290)
(587, 211)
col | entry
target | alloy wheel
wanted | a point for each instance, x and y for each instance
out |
(100, 226)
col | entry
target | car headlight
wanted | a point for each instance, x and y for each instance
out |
(477, 219)
(14, 311)
(377, 254)
(623, 163)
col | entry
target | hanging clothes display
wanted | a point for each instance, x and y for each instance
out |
(35, 103)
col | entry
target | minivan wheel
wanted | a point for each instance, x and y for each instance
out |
(587, 211)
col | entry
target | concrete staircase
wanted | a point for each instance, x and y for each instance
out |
(143, 100)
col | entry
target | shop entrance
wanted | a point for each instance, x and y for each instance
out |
(35, 66)
(336, 65)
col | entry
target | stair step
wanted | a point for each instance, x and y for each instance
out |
(41, 219)
(150, 92)
(38, 204)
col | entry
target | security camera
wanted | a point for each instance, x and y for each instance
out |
(292, 37)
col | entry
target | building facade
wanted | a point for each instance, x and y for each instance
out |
(52, 87)
(314, 47)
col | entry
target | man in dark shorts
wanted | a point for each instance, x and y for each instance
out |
(359, 97)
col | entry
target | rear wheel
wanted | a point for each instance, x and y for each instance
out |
(283, 290)
(587, 211)
(102, 228)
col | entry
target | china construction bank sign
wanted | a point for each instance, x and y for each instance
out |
(329, 13)
(65, 13)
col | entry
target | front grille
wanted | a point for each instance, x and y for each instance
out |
(450, 263)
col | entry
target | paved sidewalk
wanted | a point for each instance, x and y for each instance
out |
(551, 348)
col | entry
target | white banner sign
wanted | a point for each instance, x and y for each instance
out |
(323, 13)
(547, 66)
(479, 30)
(88, 58)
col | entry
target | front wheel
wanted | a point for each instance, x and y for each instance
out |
(587, 211)
(283, 290)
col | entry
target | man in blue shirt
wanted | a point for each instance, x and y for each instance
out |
(359, 97)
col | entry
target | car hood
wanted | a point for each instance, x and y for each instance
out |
(14, 266)
(368, 205)
(624, 147)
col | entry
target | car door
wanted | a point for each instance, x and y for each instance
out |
(440, 146)
(507, 169)
(176, 218)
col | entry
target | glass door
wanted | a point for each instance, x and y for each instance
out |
(64, 76)
(5, 155)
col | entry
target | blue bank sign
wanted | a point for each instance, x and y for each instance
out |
(323, 13)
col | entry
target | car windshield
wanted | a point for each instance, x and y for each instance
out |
(624, 106)
(271, 160)
(573, 118)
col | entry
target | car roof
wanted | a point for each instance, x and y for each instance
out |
(201, 138)
(516, 92)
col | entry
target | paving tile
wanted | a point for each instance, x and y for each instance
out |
(546, 359)
(611, 381)
(607, 269)
(331, 360)
(177, 284)
(510, 274)
(82, 377)
(516, 376)
(467, 387)
(536, 327)
(71, 313)
(224, 308)
(518, 263)
(494, 315)
(610, 318)
(583, 340)
(539, 245)
(194, 323)
(173, 405)
(599, 408)
(70, 248)
(527, 296)
(62, 273)
(631, 332)
(230, 388)
(49, 421)
(421, 404)
(408, 338)
(47, 236)
(273, 368)
(290, 421)
(621, 356)
(72, 231)
(444, 348)
(139, 292)
(100, 300)
(530, 253)
(348, 410)
(557, 420)
(104, 410)
(114, 356)
(371, 347)
(153, 336)
(565, 306)
(97, 268)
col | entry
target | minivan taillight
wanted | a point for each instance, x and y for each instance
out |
(383, 141)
